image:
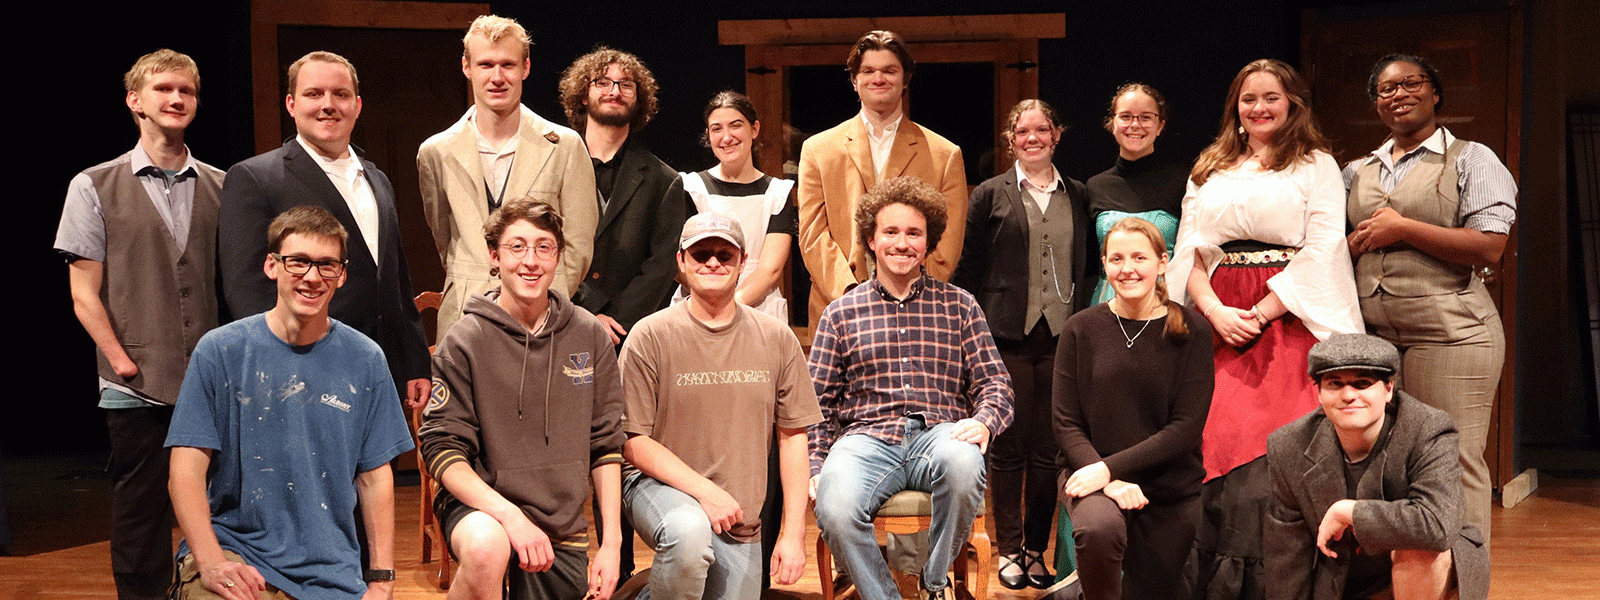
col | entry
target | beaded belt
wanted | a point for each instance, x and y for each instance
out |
(1261, 258)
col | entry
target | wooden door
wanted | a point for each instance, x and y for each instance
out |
(1478, 54)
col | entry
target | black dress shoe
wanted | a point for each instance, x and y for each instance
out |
(1038, 581)
(1013, 582)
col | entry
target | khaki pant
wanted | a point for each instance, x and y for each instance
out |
(1452, 347)
(190, 588)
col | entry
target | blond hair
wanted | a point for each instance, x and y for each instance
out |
(495, 28)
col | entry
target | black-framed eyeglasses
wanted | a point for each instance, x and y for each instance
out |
(1333, 385)
(604, 84)
(542, 250)
(723, 256)
(300, 265)
(1412, 85)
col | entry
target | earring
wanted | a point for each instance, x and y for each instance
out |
(1241, 130)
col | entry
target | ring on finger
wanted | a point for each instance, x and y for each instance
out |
(227, 584)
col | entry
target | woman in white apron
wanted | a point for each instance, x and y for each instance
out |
(763, 205)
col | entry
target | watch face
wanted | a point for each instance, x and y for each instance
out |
(378, 575)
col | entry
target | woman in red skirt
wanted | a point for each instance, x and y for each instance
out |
(1260, 254)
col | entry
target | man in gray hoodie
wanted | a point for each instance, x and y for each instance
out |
(525, 413)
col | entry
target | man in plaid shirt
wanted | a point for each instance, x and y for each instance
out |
(911, 389)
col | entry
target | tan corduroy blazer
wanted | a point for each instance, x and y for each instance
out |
(551, 164)
(836, 170)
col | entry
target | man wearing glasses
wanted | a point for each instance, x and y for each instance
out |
(608, 96)
(707, 363)
(139, 233)
(501, 151)
(285, 425)
(319, 167)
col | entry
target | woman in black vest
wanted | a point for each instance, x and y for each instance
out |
(1025, 258)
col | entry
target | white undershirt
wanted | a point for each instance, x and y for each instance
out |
(881, 144)
(349, 178)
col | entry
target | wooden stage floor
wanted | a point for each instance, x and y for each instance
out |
(1547, 548)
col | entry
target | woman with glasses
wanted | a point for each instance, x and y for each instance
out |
(1132, 385)
(1026, 252)
(1260, 254)
(764, 205)
(1142, 183)
(1427, 208)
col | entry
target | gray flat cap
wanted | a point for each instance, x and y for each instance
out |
(1353, 351)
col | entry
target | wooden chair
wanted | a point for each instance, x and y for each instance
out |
(433, 541)
(910, 512)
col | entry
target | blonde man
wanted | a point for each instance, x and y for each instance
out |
(499, 151)
(138, 233)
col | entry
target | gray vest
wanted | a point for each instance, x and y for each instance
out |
(1049, 261)
(1427, 194)
(160, 300)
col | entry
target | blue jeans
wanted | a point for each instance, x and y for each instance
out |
(691, 561)
(862, 472)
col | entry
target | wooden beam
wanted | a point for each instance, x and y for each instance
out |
(266, 16)
(919, 29)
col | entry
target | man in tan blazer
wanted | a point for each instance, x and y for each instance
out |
(837, 166)
(501, 151)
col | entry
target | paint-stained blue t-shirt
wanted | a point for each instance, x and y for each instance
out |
(291, 427)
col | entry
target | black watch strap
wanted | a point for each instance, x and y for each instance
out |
(371, 575)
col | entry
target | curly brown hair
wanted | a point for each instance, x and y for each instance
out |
(1295, 141)
(1010, 133)
(920, 195)
(575, 82)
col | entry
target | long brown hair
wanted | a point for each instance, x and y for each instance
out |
(1177, 327)
(1298, 138)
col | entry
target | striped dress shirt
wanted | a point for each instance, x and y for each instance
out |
(1488, 193)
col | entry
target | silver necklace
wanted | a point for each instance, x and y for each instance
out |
(1125, 330)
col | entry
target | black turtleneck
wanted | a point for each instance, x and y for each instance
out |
(1135, 186)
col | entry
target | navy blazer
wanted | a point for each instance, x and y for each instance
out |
(636, 242)
(375, 299)
(994, 263)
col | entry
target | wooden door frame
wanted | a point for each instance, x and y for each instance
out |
(267, 16)
(1010, 41)
(1502, 427)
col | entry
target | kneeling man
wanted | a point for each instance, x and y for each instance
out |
(707, 382)
(286, 421)
(912, 390)
(1366, 495)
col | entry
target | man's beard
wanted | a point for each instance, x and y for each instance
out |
(612, 119)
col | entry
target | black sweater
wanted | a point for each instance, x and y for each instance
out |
(1140, 409)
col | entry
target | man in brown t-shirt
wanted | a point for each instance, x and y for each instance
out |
(705, 382)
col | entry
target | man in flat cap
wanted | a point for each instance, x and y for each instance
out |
(1367, 490)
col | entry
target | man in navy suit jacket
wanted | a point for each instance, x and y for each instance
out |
(320, 168)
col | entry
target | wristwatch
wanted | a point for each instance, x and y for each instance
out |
(371, 575)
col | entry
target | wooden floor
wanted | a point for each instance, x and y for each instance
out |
(1547, 548)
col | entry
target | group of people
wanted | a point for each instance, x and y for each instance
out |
(597, 341)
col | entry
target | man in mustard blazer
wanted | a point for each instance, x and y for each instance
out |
(498, 152)
(837, 166)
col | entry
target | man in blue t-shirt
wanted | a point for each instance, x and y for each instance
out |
(295, 417)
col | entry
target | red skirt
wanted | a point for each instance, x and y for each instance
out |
(1261, 386)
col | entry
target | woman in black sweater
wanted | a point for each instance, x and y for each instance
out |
(1133, 384)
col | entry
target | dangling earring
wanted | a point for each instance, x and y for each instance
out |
(1241, 130)
(494, 271)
